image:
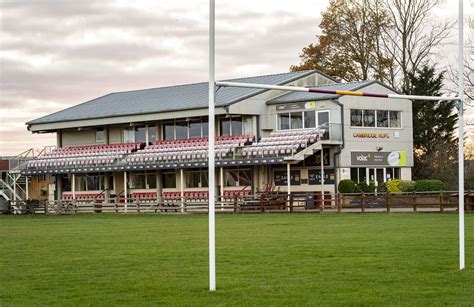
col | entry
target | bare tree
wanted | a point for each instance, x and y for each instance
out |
(468, 74)
(412, 38)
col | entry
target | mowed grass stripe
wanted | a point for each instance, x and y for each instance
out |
(262, 259)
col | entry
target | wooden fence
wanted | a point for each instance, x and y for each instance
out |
(264, 202)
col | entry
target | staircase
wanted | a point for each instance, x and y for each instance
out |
(308, 151)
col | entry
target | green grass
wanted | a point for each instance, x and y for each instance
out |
(262, 259)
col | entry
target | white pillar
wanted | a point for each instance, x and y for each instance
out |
(26, 188)
(125, 190)
(221, 179)
(73, 186)
(211, 164)
(288, 184)
(15, 201)
(322, 177)
(181, 185)
(461, 134)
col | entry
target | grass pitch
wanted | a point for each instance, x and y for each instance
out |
(262, 259)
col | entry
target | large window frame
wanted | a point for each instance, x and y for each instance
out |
(236, 177)
(141, 181)
(129, 134)
(198, 176)
(306, 117)
(204, 123)
(360, 118)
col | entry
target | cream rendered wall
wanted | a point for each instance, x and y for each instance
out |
(74, 137)
(257, 105)
(399, 139)
(115, 134)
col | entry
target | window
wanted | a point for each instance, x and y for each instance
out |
(296, 119)
(181, 130)
(238, 177)
(356, 118)
(395, 121)
(99, 135)
(247, 125)
(302, 120)
(369, 118)
(195, 129)
(205, 129)
(151, 181)
(225, 126)
(196, 179)
(376, 118)
(236, 125)
(140, 134)
(310, 119)
(66, 182)
(152, 134)
(284, 121)
(137, 181)
(169, 180)
(168, 131)
(323, 118)
(382, 118)
(91, 182)
(128, 135)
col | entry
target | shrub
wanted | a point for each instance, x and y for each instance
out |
(346, 186)
(392, 186)
(429, 185)
(366, 188)
(407, 185)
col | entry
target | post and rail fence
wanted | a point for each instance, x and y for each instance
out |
(446, 201)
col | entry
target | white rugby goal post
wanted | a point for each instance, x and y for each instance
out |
(211, 164)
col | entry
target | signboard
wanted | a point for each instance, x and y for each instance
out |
(297, 106)
(314, 176)
(383, 158)
(280, 177)
(371, 135)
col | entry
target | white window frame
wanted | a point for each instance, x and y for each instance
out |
(302, 110)
(376, 111)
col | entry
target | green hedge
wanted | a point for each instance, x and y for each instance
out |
(429, 185)
(363, 187)
(346, 186)
(394, 186)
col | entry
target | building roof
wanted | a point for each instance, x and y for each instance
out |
(165, 99)
(306, 96)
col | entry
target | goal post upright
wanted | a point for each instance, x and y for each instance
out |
(211, 155)
(211, 164)
(460, 107)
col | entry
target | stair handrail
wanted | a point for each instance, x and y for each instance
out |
(19, 187)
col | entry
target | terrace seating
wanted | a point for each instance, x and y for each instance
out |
(86, 155)
(282, 143)
(85, 196)
(188, 149)
(144, 196)
(231, 193)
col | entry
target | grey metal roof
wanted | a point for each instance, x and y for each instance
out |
(305, 96)
(165, 99)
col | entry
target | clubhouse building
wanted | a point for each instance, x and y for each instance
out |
(152, 143)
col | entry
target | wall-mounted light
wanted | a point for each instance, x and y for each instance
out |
(379, 149)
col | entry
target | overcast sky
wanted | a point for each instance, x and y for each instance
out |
(56, 54)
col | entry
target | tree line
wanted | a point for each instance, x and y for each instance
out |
(396, 42)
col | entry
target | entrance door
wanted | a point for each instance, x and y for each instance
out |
(377, 175)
